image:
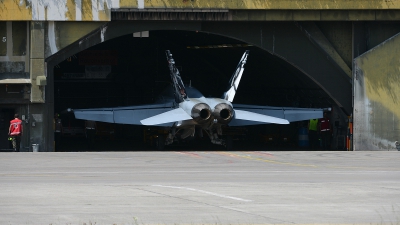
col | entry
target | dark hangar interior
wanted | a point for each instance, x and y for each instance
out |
(132, 70)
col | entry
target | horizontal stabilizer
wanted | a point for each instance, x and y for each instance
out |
(288, 113)
(123, 115)
(103, 115)
(171, 116)
(256, 117)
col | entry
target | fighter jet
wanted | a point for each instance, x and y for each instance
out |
(184, 110)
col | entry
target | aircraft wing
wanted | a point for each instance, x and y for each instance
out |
(287, 113)
(153, 114)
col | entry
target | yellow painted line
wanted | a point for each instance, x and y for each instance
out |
(262, 154)
(191, 154)
(226, 153)
(273, 161)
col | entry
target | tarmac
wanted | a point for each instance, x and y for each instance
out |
(200, 187)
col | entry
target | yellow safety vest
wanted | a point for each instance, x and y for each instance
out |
(313, 124)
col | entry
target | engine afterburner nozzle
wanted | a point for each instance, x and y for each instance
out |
(201, 113)
(223, 113)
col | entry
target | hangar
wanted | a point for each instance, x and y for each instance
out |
(304, 61)
(130, 70)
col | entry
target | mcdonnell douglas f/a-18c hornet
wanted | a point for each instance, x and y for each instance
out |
(183, 109)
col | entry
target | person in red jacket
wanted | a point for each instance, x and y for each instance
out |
(15, 132)
(326, 131)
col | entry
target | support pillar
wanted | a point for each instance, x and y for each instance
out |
(38, 112)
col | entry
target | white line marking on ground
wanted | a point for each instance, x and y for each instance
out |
(205, 192)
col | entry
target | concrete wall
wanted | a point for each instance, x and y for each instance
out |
(30, 33)
(272, 40)
(21, 63)
(100, 10)
(377, 97)
(14, 47)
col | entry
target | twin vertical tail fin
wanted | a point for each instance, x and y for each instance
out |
(179, 88)
(235, 79)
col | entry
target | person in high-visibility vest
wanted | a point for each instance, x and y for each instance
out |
(312, 133)
(15, 132)
(326, 131)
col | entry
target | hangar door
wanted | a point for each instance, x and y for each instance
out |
(377, 97)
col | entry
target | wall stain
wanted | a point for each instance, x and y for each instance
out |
(35, 9)
(377, 113)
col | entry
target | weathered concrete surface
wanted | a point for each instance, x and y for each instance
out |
(100, 10)
(13, 47)
(61, 34)
(377, 97)
(316, 35)
(339, 34)
(37, 67)
(200, 188)
(41, 10)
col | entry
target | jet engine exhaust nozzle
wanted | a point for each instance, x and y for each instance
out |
(223, 113)
(201, 113)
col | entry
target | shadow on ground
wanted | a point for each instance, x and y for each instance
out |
(78, 144)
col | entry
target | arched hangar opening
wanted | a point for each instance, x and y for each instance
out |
(131, 69)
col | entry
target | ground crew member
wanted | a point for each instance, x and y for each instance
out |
(57, 131)
(312, 133)
(90, 130)
(326, 132)
(15, 132)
